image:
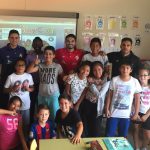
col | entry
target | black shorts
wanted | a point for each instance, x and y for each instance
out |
(146, 124)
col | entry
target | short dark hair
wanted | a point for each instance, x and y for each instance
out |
(14, 98)
(51, 48)
(35, 41)
(64, 96)
(84, 63)
(12, 32)
(127, 39)
(125, 62)
(145, 67)
(70, 35)
(20, 59)
(95, 40)
(42, 106)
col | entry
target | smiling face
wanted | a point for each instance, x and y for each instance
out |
(49, 56)
(15, 105)
(95, 48)
(97, 71)
(84, 71)
(14, 40)
(70, 43)
(20, 67)
(144, 77)
(125, 70)
(43, 115)
(65, 105)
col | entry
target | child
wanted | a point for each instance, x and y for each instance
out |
(20, 84)
(144, 112)
(42, 128)
(48, 72)
(94, 101)
(10, 126)
(123, 89)
(77, 83)
(95, 46)
(69, 124)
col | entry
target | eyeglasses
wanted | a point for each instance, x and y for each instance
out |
(23, 65)
(144, 75)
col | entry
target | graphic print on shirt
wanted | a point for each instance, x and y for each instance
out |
(122, 97)
(21, 86)
(67, 131)
(48, 75)
(12, 123)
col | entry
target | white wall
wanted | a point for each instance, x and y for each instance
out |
(105, 8)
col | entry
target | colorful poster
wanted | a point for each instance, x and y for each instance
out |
(112, 39)
(87, 36)
(123, 22)
(112, 23)
(88, 23)
(99, 23)
(135, 23)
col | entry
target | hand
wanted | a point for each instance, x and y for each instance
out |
(102, 53)
(15, 88)
(135, 117)
(13, 113)
(66, 78)
(75, 139)
(144, 118)
(90, 80)
(37, 60)
(107, 113)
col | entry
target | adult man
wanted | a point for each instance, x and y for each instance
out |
(9, 54)
(125, 54)
(69, 57)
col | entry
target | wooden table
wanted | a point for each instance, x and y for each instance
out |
(64, 144)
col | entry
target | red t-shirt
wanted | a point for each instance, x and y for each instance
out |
(69, 60)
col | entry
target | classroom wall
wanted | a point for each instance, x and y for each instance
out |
(105, 8)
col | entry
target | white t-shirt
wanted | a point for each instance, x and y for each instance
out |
(145, 100)
(102, 59)
(21, 80)
(123, 94)
(48, 78)
(77, 86)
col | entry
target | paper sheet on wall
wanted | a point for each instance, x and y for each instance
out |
(99, 23)
(88, 23)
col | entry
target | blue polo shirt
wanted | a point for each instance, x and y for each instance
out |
(8, 57)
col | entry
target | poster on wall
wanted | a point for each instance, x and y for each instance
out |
(87, 36)
(112, 39)
(88, 23)
(147, 27)
(99, 23)
(112, 23)
(123, 22)
(101, 36)
(135, 22)
(137, 40)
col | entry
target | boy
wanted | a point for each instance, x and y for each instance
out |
(69, 124)
(42, 128)
(48, 73)
(123, 89)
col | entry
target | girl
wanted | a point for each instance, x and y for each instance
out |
(144, 112)
(10, 126)
(77, 83)
(48, 72)
(94, 102)
(20, 84)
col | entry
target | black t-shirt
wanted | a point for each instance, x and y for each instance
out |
(68, 124)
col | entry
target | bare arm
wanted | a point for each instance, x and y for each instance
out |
(59, 135)
(7, 112)
(76, 139)
(67, 89)
(108, 103)
(22, 139)
(33, 67)
(76, 107)
(136, 105)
